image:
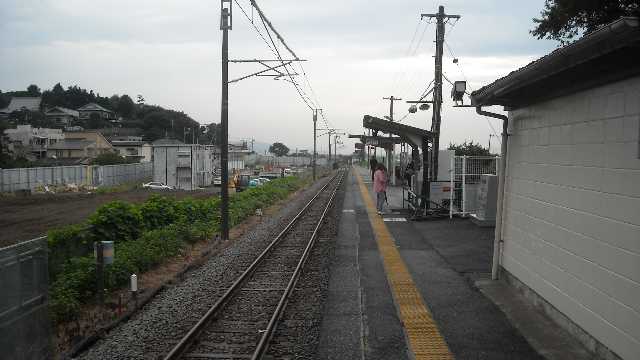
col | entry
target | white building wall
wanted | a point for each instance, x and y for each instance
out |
(572, 209)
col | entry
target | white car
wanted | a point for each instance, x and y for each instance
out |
(157, 186)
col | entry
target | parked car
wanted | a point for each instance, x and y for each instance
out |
(157, 186)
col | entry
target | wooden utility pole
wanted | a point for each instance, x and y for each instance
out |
(225, 26)
(436, 119)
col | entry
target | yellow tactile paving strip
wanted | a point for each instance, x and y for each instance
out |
(425, 340)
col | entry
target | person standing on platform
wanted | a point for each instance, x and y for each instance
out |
(380, 187)
(373, 163)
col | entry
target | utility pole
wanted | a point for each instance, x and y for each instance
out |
(436, 119)
(315, 153)
(391, 100)
(225, 26)
(391, 150)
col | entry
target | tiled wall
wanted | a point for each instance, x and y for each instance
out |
(572, 209)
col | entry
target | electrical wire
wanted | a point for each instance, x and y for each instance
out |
(413, 38)
(283, 64)
(273, 47)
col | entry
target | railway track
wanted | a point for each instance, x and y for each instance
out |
(242, 322)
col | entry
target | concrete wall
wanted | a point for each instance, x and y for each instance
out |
(572, 209)
(30, 178)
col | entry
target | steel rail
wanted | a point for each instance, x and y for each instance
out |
(193, 333)
(262, 347)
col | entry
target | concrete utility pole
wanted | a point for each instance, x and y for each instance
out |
(390, 168)
(225, 26)
(436, 119)
(315, 129)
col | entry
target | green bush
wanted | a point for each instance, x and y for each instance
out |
(116, 221)
(144, 236)
(66, 243)
(158, 211)
(74, 285)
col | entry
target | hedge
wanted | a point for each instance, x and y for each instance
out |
(144, 235)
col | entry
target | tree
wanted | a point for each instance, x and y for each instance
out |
(562, 20)
(108, 159)
(279, 149)
(4, 101)
(140, 99)
(469, 149)
(34, 90)
(126, 107)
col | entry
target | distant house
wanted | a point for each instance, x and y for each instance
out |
(132, 147)
(26, 140)
(80, 144)
(61, 115)
(21, 103)
(93, 108)
(73, 149)
(569, 232)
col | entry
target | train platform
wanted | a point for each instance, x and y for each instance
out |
(403, 289)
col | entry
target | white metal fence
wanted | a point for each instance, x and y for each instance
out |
(92, 175)
(24, 319)
(466, 172)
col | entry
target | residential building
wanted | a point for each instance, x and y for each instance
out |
(80, 145)
(569, 230)
(73, 149)
(185, 166)
(93, 108)
(61, 115)
(29, 141)
(132, 147)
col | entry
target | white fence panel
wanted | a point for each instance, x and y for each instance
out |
(108, 175)
(465, 181)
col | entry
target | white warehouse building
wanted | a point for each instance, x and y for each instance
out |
(569, 231)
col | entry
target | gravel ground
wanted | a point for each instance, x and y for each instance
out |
(153, 331)
(298, 332)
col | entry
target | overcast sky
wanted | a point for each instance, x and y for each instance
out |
(357, 50)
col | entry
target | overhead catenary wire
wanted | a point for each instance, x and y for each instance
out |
(305, 96)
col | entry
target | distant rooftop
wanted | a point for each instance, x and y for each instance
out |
(62, 110)
(93, 107)
(18, 103)
(71, 144)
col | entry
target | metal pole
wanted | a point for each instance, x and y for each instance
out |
(224, 125)
(452, 174)
(464, 186)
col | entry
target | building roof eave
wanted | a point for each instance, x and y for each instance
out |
(571, 68)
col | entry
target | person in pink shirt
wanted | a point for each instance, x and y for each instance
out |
(380, 187)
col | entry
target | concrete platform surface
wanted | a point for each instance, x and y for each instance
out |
(445, 259)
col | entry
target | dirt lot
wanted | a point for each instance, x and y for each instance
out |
(27, 218)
